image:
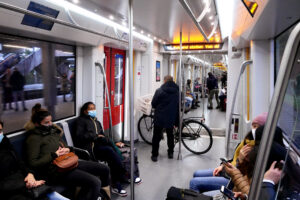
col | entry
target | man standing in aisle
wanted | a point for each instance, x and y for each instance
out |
(212, 86)
(165, 102)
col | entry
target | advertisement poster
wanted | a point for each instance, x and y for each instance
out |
(157, 71)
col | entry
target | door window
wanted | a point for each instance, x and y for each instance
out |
(119, 59)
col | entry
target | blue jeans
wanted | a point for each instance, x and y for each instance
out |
(56, 196)
(204, 181)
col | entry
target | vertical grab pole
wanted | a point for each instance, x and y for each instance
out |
(108, 98)
(245, 63)
(180, 87)
(202, 88)
(131, 99)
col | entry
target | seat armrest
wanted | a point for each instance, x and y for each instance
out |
(82, 153)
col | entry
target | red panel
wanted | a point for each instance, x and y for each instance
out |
(117, 111)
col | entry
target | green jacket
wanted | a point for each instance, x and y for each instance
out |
(41, 145)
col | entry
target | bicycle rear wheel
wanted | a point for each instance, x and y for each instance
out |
(196, 137)
(146, 127)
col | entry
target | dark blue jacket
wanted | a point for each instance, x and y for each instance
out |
(267, 191)
(212, 83)
(165, 102)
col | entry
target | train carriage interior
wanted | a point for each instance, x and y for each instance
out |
(235, 65)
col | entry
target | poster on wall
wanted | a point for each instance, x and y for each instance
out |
(157, 71)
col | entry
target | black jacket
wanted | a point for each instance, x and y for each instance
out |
(17, 81)
(12, 170)
(212, 83)
(87, 131)
(166, 102)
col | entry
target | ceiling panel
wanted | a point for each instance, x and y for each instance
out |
(162, 19)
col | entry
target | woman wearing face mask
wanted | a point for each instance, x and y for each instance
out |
(212, 179)
(15, 177)
(91, 137)
(44, 145)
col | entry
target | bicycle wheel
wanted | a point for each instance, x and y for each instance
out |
(146, 127)
(196, 137)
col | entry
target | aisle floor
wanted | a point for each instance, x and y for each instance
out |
(159, 176)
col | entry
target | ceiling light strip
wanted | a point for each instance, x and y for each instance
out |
(216, 23)
(204, 12)
(34, 14)
(189, 11)
(84, 12)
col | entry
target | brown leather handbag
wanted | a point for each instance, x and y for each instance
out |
(66, 162)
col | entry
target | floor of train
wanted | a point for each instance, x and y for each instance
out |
(159, 176)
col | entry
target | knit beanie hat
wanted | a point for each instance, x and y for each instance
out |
(260, 119)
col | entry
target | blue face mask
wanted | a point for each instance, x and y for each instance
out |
(1, 137)
(92, 113)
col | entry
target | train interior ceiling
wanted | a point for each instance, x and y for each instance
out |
(74, 51)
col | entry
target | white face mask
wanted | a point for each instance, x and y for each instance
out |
(253, 133)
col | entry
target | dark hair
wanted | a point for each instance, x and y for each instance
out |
(36, 108)
(188, 81)
(39, 116)
(2, 124)
(85, 107)
(277, 136)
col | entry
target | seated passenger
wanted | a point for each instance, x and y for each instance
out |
(15, 177)
(29, 125)
(193, 96)
(241, 175)
(91, 136)
(271, 178)
(44, 145)
(213, 179)
(290, 187)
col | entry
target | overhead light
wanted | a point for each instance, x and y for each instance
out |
(149, 35)
(133, 27)
(111, 17)
(76, 1)
(251, 6)
(142, 31)
(212, 23)
(208, 10)
(16, 46)
(159, 40)
(210, 17)
(95, 10)
(96, 17)
(164, 42)
(154, 38)
(124, 23)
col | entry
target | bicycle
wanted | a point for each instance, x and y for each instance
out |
(195, 136)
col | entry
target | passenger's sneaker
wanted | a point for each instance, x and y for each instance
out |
(170, 155)
(137, 180)
(154, 158)
(209, 107)
(118, 190)
(217, 107)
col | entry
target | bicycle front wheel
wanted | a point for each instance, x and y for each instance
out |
(145, 128)
(196, 137)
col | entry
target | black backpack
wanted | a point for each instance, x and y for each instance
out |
(185, 194)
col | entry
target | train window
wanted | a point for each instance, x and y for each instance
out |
(286, 143)
(31, 72)
(280, 42)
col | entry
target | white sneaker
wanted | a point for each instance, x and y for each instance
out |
(138, 180)
(119, 192)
